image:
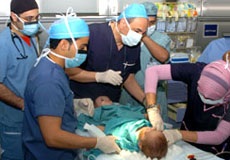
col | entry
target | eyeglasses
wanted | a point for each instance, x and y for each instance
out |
(31, 18)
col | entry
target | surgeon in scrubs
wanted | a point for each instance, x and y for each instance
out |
(49, 122)
(114, 48)
(215, 50)
(114, 55)
(155, 49)
(18, 52)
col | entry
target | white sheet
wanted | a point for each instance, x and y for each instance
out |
(178, 151)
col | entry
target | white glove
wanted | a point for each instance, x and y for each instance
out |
(107, 144)
(109, 76)
(155, 118)
(93, 130)
(172, 136)
(84, 105)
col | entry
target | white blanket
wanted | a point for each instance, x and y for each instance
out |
(178, 151)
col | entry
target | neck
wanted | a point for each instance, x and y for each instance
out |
(57, 60)
(15, 29)
(117, 35)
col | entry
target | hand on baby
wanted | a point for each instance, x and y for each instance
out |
(84, 105)
(107, 144)
(172, 136)
(155, 118)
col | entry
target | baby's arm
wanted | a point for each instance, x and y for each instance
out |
(102, 128)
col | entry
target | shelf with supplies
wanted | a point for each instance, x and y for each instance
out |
(183, 35)
(179, 21)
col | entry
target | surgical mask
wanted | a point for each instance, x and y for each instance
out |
(29, 28)
(151, 30)
(72, 62)
(69, 62)
(79, 58)
(132, 38)
(209, 101)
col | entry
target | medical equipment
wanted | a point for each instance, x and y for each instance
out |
(22, 52)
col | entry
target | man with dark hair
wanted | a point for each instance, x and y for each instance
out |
(49, 121)
(18, 51)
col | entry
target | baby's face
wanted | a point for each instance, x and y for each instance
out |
(102, 101)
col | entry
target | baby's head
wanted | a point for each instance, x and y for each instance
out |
(152, 143)
(102, 101)
(226, 56)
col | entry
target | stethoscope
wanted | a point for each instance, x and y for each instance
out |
(23, 52)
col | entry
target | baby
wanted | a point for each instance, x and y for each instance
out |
(136, 131)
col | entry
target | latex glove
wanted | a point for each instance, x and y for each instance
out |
(172, 136)
(107, 144)
(109, 76)
(84, 105)
(155, 118)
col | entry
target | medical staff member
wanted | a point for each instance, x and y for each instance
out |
(18, 52)
(215, 50)
(155, 49)
(207, 119)
(49, 122)
(114, 46)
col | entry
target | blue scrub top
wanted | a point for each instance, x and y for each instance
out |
(215, 50)
(103, 55)
(13, 73)
(47, 94)
(195, 118)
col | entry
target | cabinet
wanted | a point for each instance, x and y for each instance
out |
(176, 92)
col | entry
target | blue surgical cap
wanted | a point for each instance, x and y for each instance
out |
(78, 28)
(151, 8)
(134, 11)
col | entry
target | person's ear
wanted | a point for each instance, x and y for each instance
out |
(64, 45)
(13, 17)
(139, 145)
(122, 23)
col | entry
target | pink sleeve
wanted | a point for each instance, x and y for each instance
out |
(155, 73)
(215, 137)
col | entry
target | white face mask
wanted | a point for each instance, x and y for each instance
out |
(151, 30)
(209, 101)
(132, 38)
